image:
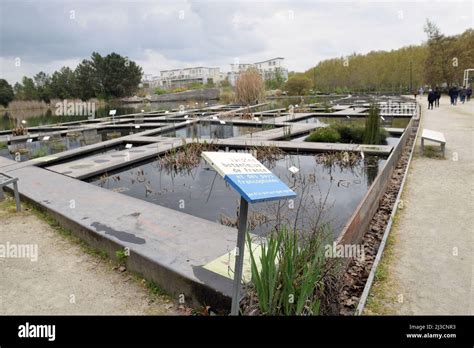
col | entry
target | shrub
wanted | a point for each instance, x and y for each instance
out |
(178, 90)
(324, 135)
(249, 88)
(350, 133)
(298, 85)
(159, 91)
(226, 96)
(41, 152)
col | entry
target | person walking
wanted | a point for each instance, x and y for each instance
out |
(469, 93)
(438, 96)
(431, 98)
(451, 95)
(462, 95)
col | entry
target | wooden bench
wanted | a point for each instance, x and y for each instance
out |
(6, 180)
(432, 136)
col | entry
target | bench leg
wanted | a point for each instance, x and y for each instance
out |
(443, 149)
(2, 197)
(422, 146)
(17, 197)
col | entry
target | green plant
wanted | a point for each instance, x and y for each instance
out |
(292, 272)
(178, 90)
(374, 134)
(160, 91)
(121, 256)
(3, 145)
(324, 135)
(41, 152)
(350, 133)
(227, 96)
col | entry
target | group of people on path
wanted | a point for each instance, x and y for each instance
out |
(463, 93)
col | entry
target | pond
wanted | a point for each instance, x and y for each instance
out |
(208, 130)
(35, 149)
(392, 139)
(390, 122)
(40, 117)
(328, 191)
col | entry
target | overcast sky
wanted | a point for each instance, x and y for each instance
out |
(46, 35)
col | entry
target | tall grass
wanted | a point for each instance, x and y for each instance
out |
(289, 277)
(372, 134)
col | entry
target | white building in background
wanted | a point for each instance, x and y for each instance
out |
(267, 68)
(181, 77)
(170, 79)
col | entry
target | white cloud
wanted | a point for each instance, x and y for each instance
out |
(168, 34)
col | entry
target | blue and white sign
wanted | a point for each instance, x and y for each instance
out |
(254, 182)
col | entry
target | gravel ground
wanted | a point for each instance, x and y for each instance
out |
(66, 279)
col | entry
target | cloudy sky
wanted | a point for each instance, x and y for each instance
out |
(158, 34)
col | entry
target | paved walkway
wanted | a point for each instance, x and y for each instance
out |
(430, 270)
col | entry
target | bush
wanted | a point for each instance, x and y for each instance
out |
(249, 88)
(350, 133)
(160, 91)
(41, 152)
(178, 90)
(324, 135)
(345, 133)
(226, 96)
(298, 85)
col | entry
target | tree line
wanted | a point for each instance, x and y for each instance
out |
(103, 77)
(440, 61)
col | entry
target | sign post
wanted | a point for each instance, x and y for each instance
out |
(112, 113)
(255, 183)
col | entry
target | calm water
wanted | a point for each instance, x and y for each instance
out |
(203, 193)
(211, 131)
(26, 151)
(391, 122)
(33, 118)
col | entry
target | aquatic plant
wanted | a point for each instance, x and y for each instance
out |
(324, 135)
(19, 130)
(268, 154)
(291, 274)
(58, 146)
(41, 152)
(347, 134)
(340, 158)
(372, 134)
(187, 157)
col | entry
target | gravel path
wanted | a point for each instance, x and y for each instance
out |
(431, 270)
(65, 279)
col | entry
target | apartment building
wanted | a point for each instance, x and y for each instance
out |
(174, 78)
(267, 68)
